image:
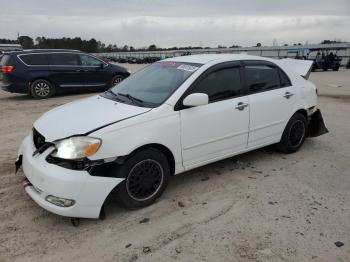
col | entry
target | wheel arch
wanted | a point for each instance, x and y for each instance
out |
(302, 111)
(43, 78)
(165, 150)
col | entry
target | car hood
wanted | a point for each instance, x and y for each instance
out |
(83, 116)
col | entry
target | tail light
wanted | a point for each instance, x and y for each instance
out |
(7, 69)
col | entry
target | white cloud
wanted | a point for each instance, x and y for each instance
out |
(169, 23)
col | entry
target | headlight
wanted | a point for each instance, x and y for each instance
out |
(76, 147)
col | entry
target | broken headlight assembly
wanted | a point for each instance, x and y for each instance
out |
(77, 147)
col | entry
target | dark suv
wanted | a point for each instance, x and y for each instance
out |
(42, 73)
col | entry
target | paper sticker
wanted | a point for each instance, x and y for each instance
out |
(188, 68)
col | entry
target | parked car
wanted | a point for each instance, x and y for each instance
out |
(169, 117)
(42, 73)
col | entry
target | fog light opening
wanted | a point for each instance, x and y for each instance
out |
(58, 201)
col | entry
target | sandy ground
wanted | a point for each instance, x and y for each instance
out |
(260, 206)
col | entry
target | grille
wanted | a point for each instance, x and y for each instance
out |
(38, 139)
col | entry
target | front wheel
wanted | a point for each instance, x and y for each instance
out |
(117, 79)
(294, 134)
(146, 177)
(41, 89)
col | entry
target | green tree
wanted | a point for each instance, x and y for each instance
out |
(26, 42)
(152, 47)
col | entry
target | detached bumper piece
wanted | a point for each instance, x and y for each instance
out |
(317, 127)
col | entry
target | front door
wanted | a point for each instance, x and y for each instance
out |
(219, 129)
(96, 74)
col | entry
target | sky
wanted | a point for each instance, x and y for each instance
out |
(166, 23)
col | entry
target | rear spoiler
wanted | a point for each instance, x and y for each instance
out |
(301, 67)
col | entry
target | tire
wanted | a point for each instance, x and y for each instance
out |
(136, 170)
(294, 134)
(41, 89)
(117, 79)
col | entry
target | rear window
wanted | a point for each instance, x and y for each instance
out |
(64, 59)
(261, 78)
(34, 59)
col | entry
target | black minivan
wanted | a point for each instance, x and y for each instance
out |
(42, 73)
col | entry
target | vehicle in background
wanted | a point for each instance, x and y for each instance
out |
(326, 59)
(167, 118)
(42, 73)
(131, 59)
(300, 52)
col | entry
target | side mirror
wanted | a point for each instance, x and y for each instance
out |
(196, 99)
(102, 65)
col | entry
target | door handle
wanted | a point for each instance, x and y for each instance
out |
(288, 95)
(78, 70)
(240, 106)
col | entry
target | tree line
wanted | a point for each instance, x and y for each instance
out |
(89, 46)
(94, 46)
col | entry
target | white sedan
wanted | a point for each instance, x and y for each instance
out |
(170, 117)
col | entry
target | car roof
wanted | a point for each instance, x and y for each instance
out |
(219, 58)
(31, 51)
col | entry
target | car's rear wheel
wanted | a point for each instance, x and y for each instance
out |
(117, 79)
(294, 134)
(41, 89)
(146, 176)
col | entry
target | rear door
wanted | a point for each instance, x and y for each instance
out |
(66, 71)
(271, 99)
(220, 128)
(96, 73)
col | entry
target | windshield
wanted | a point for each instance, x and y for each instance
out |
(151, 86)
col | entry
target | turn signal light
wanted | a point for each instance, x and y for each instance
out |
(7, 69)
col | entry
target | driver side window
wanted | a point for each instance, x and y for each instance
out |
(87, 60)
(221, 84)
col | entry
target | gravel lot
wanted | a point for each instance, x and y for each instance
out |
(260, 206)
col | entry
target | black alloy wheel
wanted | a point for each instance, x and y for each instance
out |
(41, 89)
(146, 173)
(144, 180)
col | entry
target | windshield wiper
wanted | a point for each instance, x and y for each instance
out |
(109, 91)
(131, 98)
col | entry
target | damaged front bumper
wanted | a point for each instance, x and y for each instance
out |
(317, 126)
(48, 181)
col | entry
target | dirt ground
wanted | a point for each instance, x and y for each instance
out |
(260, 206)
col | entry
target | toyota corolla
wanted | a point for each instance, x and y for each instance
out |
(172, 116)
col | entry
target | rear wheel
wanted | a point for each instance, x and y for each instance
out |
(41, 89)
(146, 177)
(294, 134)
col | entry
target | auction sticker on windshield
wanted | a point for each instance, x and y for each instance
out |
(189, 68)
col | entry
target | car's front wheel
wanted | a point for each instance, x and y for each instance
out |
(117, 79)
(146, 176)
(294, 134)
(41, 89)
